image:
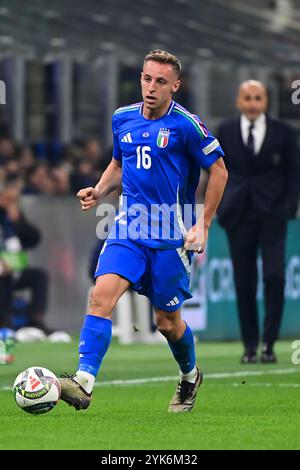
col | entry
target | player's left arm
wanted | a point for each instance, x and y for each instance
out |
(205, 151)
(196, 237)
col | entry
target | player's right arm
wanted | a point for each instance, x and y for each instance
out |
(109, 181)
(112, 176)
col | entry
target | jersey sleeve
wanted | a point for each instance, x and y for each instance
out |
(201, 145)
(117, 152)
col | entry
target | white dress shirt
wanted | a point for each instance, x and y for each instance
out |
(259, 131)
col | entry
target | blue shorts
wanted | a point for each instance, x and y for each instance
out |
(162, 275)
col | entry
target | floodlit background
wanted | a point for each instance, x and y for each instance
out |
(65, 66)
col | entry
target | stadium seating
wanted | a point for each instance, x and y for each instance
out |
(233, 30)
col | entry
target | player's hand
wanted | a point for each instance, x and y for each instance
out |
(195, 239)
(88, 198)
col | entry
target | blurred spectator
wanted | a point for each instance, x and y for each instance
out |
(61, 180)
(73, 153)
(26, 159)
(12, 168)
(17, 235)
(84, 175)
(63, 172)
(2, 175)
(7, 149)
(38, 180)
(93, 153)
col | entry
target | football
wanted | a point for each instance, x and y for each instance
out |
(36, 390)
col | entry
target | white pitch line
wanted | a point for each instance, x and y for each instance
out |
(214, 375)
(224, 375)
(257, 384)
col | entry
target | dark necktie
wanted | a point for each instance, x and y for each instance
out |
(250, 140)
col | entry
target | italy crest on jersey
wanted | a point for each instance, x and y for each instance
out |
(163, 138)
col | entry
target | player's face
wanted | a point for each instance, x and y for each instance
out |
(159, 82)
(252, 101)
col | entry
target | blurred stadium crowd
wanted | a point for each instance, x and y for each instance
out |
(65, 77)
(56, 170)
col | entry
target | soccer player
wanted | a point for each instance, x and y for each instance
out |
(159, 149)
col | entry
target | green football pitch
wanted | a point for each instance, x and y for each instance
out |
(238, 406)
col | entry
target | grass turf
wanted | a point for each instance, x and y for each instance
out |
(233, 411)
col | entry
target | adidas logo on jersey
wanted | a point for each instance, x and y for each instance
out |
(173, 302)
(127, 138)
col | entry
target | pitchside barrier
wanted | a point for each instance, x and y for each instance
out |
(213, 311)
(69, 235)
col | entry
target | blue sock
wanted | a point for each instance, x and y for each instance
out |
(184, 351)
(94, 341)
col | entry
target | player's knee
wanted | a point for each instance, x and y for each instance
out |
(166, 327)
(101, 302)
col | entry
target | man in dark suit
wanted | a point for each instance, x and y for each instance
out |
(262, 159)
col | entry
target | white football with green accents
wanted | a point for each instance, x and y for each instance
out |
(36, 390)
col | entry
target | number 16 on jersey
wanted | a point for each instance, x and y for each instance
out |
(143, 158)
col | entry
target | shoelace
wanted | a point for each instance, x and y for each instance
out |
(65, 375)
(185, 389)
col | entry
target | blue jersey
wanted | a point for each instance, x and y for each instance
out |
(161, 163)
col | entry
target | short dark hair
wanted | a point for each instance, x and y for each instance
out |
(164, 57)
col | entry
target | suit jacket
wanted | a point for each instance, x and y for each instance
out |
(267, 183)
